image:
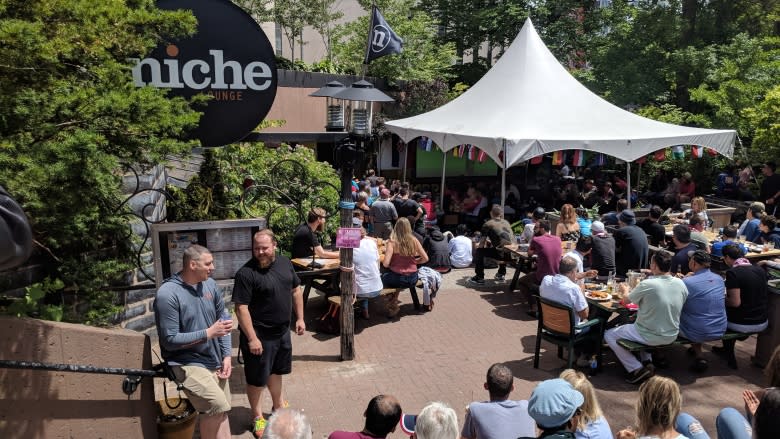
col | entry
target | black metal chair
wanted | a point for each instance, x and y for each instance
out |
(556, 325)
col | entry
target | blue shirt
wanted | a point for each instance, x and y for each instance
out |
(703, 315)
(498, 420)
(752, 232)
(717, 248)
(584, 226)
(598, 429)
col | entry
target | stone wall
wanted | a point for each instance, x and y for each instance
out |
(44, 404)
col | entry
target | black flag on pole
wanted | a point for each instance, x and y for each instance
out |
(381, 39)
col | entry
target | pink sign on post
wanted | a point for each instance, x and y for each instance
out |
(348, 238)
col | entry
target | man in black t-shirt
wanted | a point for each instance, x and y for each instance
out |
(655, 232)
(747, 298)
(631, 248)
(305, 241)
(265, 291)
(681, 240)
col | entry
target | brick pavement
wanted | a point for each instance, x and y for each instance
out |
(443, 355)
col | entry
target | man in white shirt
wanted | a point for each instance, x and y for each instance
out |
(460, 248)
(579, 253)
(528, 231)
(562, 288)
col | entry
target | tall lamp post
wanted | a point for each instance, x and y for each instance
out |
(361, 95)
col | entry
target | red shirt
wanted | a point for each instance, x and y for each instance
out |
(547, 249)
(688, 189)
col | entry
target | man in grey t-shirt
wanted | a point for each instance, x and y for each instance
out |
(383, 214)
(500, 417)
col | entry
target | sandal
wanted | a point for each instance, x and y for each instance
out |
(258, 426)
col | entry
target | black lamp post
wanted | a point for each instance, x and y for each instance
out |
(361, 95)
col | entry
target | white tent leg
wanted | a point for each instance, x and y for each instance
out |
(503, 179)
(443, 173)
(406, 157)
(628, 183)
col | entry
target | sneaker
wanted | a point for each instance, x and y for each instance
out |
(475, 281)
(499, 278)
(258, 426)
(639, 375)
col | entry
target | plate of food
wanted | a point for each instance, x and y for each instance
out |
(592, 286)
(601, 296)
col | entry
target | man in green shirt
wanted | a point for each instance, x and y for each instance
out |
(660, 299)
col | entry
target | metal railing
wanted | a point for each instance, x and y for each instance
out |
(132, 379)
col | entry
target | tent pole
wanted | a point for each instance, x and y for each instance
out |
(503, 178)
(443, 173)
(638, 179)
(406, 158)
(628, 183)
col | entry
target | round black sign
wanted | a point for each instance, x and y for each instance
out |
(229, 58)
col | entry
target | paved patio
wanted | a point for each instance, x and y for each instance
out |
(443, 356)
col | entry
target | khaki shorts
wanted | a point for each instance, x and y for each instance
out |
(207, 393)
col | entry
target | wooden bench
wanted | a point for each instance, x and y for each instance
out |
(634, 346)
(390, 295)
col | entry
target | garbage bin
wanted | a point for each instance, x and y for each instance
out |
(177, 422)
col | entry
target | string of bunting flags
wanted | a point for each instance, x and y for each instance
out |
(576, 157)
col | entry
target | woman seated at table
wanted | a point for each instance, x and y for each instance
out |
(367, 281)
(698, 207)
(402, 254)
(770, 233)
(568, 229)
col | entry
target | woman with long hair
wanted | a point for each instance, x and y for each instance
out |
(592, 423)
(568, 229)
(730, 422)
(698, 207)
(402, 254)
(658, 413)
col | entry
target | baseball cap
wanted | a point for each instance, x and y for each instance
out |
(385, 193)
(539, 213)
(700, 256)
(597, 227)
(554, 402)
(627, 216)
(407, 423)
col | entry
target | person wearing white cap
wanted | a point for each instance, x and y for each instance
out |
(555, 405)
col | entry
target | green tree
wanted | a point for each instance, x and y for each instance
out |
(70, 116)
(322, 17)
(423, 57)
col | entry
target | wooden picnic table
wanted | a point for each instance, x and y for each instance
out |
(329, 270)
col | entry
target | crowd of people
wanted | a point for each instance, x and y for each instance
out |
(681, 296)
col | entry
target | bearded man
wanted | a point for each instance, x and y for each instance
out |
(265, 290)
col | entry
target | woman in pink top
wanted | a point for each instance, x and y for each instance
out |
(402, 254)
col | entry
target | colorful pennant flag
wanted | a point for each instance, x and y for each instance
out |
(578, 159)
(601, 160)
(697, 151)
(711, 152)
(537, 160)
(481, 156)
(678, 153)
(558, 158)
(472, 152)
(660, 155)
(461, 150)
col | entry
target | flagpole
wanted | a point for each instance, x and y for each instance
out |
(368, 42)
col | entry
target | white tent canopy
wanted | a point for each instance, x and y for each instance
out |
(528, 104)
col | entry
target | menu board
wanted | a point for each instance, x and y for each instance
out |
(229, 241)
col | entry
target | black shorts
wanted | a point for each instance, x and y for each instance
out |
(276, 358)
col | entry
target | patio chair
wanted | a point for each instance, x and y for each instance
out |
(556, 325)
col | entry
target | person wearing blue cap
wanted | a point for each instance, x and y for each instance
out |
(555, 405)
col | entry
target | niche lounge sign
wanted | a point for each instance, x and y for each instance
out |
(229, 58)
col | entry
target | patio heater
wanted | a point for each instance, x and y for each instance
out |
(335, 107)
(361, 96)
